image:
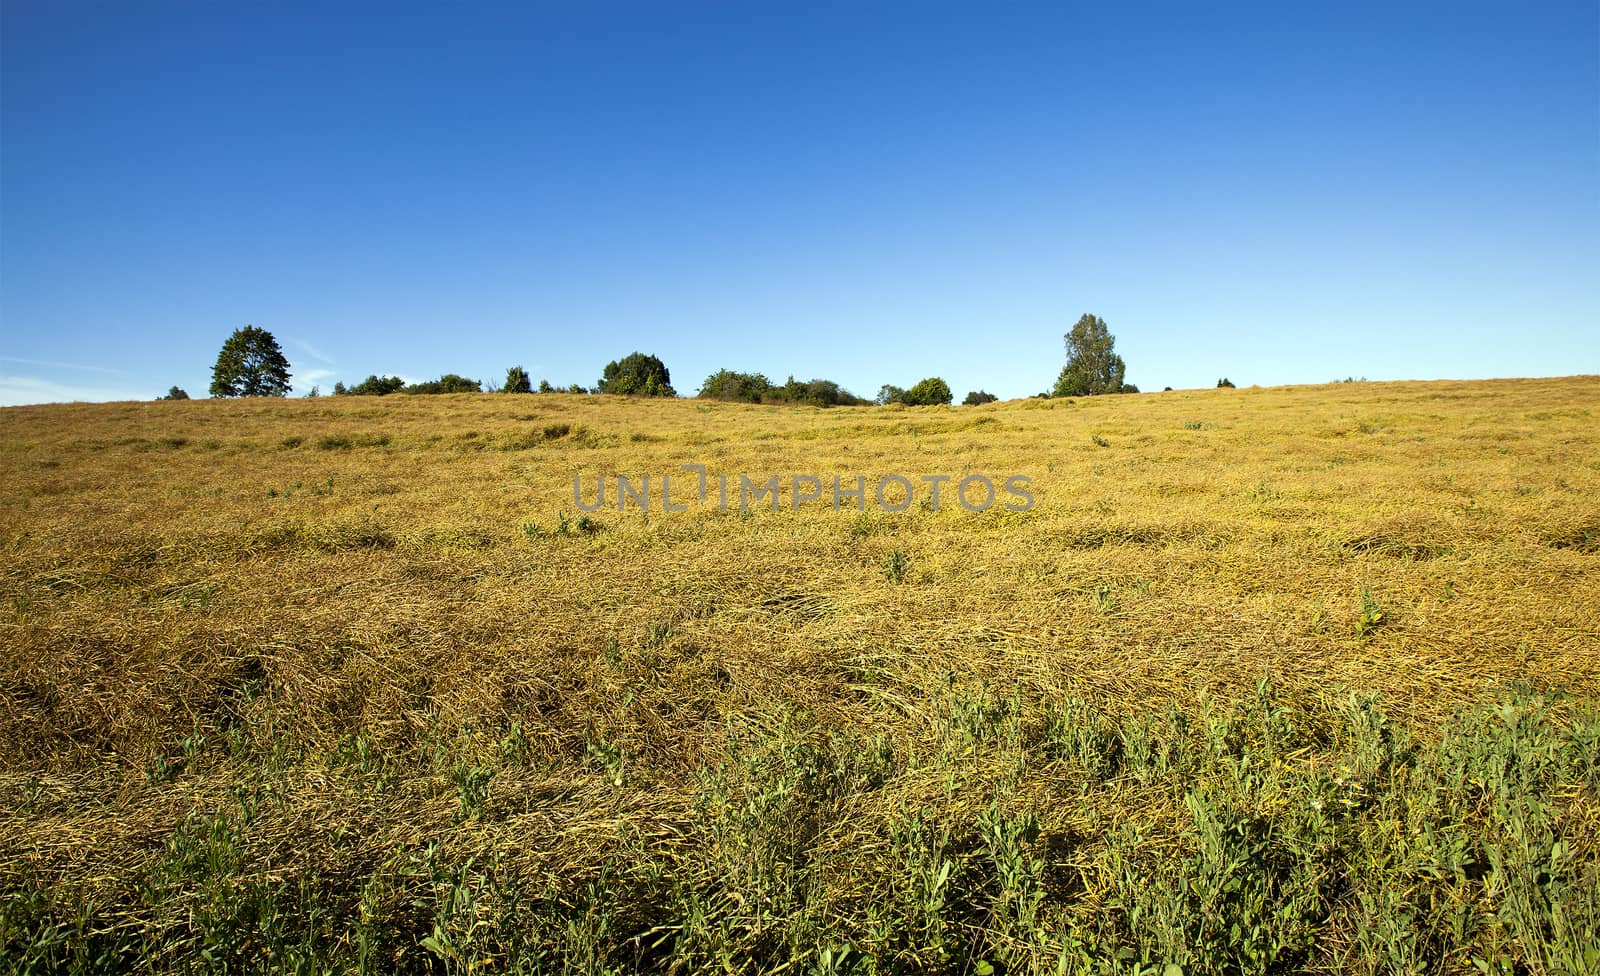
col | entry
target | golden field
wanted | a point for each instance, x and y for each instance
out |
(344, 684)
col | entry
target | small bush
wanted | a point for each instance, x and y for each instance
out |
(637, 374)
(448, 383)
(373, 385)
(517, 381)
(978, 398)
(894, 566)
(727, 385)
(815, 393)
(930, 392)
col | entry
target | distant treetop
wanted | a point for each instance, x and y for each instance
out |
(725, 384)
(637, 374)
(373, 385)
(517, 381)
(929, 392)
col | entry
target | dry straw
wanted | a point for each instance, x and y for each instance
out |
(206, 598)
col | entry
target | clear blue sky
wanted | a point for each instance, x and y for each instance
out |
(866, 192)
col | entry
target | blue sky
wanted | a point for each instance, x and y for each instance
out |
(866, 192)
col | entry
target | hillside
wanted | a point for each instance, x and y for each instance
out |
(354, 681)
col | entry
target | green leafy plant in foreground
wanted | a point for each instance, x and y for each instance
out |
(1029, 832)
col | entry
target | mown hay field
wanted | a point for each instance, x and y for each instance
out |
(1266, 680)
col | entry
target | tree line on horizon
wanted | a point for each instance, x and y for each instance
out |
(251, 363)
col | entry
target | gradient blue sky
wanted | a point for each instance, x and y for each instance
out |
(867, 192)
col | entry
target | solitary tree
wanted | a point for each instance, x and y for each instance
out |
(978, 398)
(637, 375)
(930, 392)
(517, 381)
(250, 364)
(176, 393)
(1092, 367)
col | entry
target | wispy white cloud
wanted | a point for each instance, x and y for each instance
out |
(52, 364)
(16, 391)
(309, 349)
(305, 379)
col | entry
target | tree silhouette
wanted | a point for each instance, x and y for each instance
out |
(250, 364)
(1092, 367)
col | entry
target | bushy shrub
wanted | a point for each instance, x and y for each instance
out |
(978, 398)
(1224, 383)
(516, 381)
(815, 393)
(930, 392)
(756, 388)
(637, 374)
(373, 385)
(725, 384)
(448, 383)
(176, 393)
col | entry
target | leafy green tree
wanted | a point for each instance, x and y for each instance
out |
(250, 364)
(889, 393)
(176, 393)
(1225, 384)
(727, 385)
(978, 398)
(517, 381)
(637, 375)
(448, 383)
(816, 393)
(930, 392)
(1092, 366)
(545, 387)
(375, 385)
(822, 393)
